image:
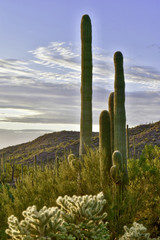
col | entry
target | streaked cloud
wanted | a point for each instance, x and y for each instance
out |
(57, 54)
(45, 89)
(148, 77)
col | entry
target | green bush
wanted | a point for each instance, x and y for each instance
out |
(41, 188)
(144, 186)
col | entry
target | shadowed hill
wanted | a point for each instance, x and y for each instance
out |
(144, 135)
(58, 143)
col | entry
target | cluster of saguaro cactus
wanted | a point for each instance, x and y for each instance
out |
(116, 142)
(112, 138)
(112, 134)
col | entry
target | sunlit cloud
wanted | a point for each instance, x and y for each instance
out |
(45, 89)
(57, 54)
(149, 77)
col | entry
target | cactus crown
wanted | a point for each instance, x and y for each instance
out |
(86, 28)
(118, 56)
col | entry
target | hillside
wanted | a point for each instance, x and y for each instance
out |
(57, 143)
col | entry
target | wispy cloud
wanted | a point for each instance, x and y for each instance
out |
(148, 77)
(57, 54)
(46, 88)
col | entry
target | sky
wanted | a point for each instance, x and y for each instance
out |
(40, 63)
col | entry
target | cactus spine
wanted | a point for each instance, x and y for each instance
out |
(111, 113)
(119, 112)
(104, 147)
(86, 84)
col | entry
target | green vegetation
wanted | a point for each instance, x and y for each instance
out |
(42, 188)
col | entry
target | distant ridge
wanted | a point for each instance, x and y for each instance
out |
(59, 143)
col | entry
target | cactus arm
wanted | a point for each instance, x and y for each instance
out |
(104, 147)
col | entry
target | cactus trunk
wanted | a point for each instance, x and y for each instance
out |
(86, 84)
(111, 113)
(104, 147)
(119, 112)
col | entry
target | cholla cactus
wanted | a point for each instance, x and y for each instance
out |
(41, 225)
(78, 218)
(136, 232)
(84, 217)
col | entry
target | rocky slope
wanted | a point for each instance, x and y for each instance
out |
(59, 143)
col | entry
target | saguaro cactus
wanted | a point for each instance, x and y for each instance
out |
(104, 147)
(119, 111)
(111, 113)
(86, 84)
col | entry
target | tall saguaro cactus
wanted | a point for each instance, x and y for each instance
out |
(119, 111)
(104, 147)
(86, 84)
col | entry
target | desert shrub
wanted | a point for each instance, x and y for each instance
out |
(66, 179)
(144, 185)
(6, 198)
(37, 188)
(90, 172)
(140, 203)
